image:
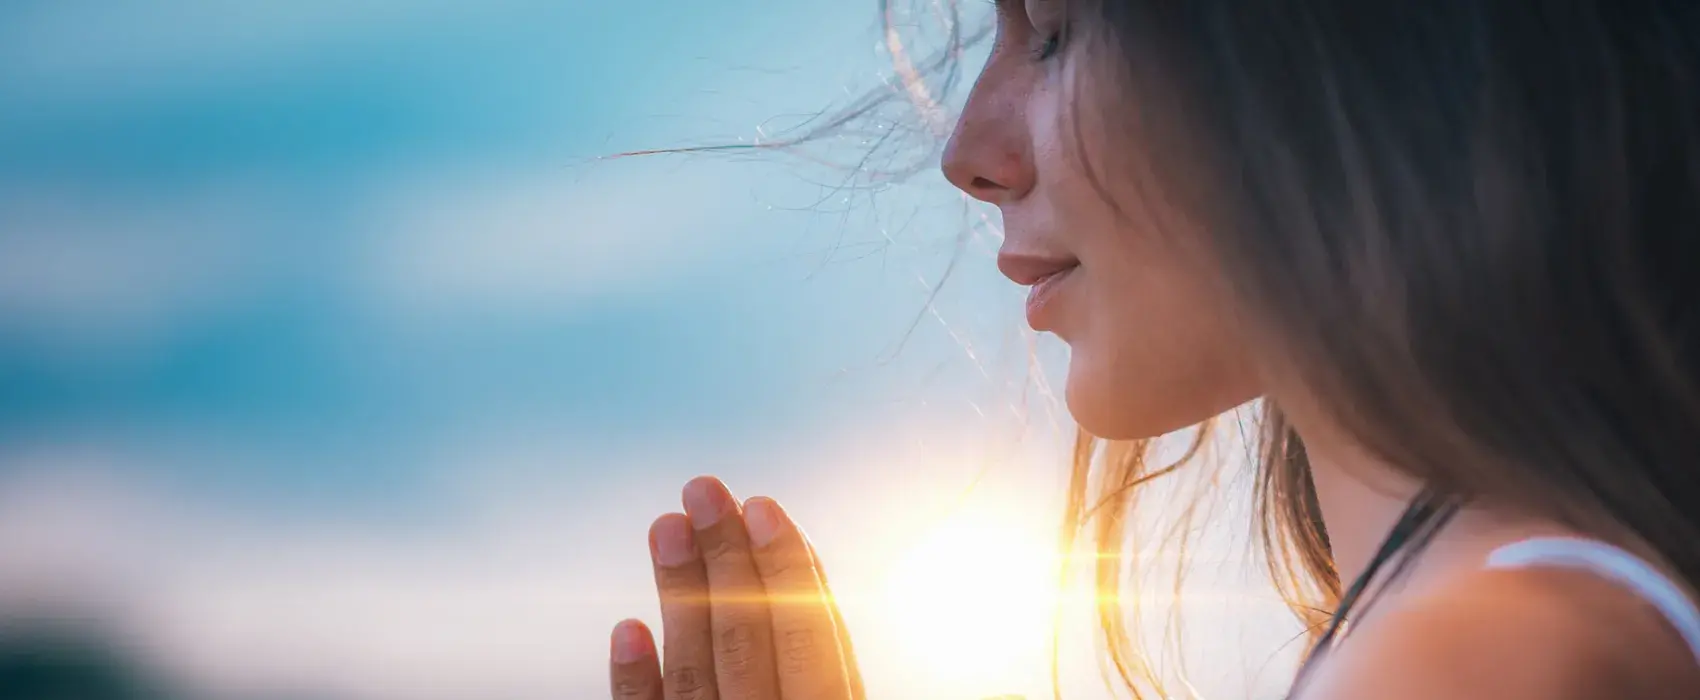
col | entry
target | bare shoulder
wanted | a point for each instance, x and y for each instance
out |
(1536, 634)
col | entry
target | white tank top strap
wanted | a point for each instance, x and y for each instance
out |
(1612, 563)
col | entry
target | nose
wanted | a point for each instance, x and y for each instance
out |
(990, 156)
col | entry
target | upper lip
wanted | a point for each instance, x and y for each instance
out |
(1028, 270)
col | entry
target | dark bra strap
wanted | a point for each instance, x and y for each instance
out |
(1425, 515)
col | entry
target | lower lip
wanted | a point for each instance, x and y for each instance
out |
(1041, 298)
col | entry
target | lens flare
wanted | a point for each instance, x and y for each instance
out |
(973, 600)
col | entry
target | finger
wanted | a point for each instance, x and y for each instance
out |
(810, 664)
(743, 635)
(633, 670)
(687, 647)
(851, 668)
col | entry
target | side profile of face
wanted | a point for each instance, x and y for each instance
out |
(1151, 348)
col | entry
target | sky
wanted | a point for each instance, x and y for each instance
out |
(337, 360)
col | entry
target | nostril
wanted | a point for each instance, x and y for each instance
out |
(981, 183)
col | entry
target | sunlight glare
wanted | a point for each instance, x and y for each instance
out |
(973, 599)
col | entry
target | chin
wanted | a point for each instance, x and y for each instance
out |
(1114, 415)
(1127, 403)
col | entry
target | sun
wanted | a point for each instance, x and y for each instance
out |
(973, 599)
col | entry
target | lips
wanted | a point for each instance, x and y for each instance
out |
(1045, 276)
(1042, 297)
(1029, 270)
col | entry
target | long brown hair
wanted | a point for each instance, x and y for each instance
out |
(1105, 481)
(1466, 227)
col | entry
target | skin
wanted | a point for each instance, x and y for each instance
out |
(1509, 634)
(1138, 300)
(746, 610)
(1153, 350)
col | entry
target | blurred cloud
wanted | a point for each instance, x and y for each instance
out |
(185, 90)
(554, 241)
(244, 606)
(102, 273)
(505, 585)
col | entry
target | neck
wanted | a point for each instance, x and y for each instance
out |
(1362, 497)
(1360, 503)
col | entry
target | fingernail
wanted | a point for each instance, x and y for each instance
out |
(630, 643)
(672, 540)
(762, 517)
(707, 501)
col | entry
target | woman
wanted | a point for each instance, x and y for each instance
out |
(1447, 242)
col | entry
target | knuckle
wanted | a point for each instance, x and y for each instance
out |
(737, 654)
(799, 651)
(720, 548)
(677, 583)
(737, 640)
(687, 683)
(781, 566)
(631, 687)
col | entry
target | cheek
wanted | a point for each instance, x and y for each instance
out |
(1154, 352)
(1152, 347)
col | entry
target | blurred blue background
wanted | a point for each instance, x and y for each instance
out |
(336, 361)
(334, 232)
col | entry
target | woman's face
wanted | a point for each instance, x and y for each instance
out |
(1151, 347)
